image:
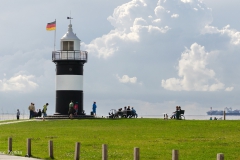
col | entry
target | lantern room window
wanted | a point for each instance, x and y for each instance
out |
(68, 45)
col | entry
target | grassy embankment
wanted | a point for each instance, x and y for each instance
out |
(156, 138)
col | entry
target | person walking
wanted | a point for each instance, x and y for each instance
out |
(44, 111)
(71, 110)
(18, 114)
(94, 107)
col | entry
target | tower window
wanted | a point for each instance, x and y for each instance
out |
(68, 45)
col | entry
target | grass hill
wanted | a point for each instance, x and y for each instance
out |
(156, 138)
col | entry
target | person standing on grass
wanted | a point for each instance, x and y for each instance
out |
(18, 114)
(31, 109)
(94, 107)
(76, 108)
(71, 109)
(44, 111)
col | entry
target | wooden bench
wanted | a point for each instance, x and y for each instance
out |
(182, 114)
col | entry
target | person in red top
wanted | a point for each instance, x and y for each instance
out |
(76, 108)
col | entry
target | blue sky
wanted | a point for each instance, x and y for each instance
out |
(149, 54)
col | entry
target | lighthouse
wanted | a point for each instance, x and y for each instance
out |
(69, 62)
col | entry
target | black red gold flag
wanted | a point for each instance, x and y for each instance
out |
(51, 26)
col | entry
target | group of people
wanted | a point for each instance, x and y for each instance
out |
(73, 109)
(38, 113)
(215, 118)
(127, 112)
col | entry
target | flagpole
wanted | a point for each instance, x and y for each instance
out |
(55, 35)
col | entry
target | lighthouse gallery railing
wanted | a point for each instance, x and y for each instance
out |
(70, 55)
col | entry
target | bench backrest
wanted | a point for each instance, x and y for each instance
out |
(182, 111)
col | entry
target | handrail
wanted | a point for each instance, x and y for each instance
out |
(70, 55)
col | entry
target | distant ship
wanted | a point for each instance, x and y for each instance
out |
(228, 111)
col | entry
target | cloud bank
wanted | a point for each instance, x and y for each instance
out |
(157, 54)
(156, 40)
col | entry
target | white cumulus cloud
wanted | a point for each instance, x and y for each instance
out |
(194, 73)
(21, 83)
(126, 79)
(232, 33)
(156, 21)
(229, 89)
(174, 15)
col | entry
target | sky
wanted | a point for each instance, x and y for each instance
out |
(152, 55)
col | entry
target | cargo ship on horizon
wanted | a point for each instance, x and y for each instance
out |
(228, 111)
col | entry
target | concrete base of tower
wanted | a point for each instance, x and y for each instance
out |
(49, 117)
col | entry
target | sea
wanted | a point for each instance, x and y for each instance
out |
(8, 116)
(4, 117)
(196, 117)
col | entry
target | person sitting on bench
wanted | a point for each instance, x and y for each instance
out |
(134, 113)
(174, 113)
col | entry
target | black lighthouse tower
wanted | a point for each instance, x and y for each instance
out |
(69, 72)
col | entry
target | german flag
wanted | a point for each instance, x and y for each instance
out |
(51, 26)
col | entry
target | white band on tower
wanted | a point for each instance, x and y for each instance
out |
(69, 82)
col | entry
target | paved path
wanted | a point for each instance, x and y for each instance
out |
(5, 156)
(17, 121)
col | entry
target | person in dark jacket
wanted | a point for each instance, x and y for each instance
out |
(39, 113)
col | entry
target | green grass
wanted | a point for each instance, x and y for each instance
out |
(156, 138)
